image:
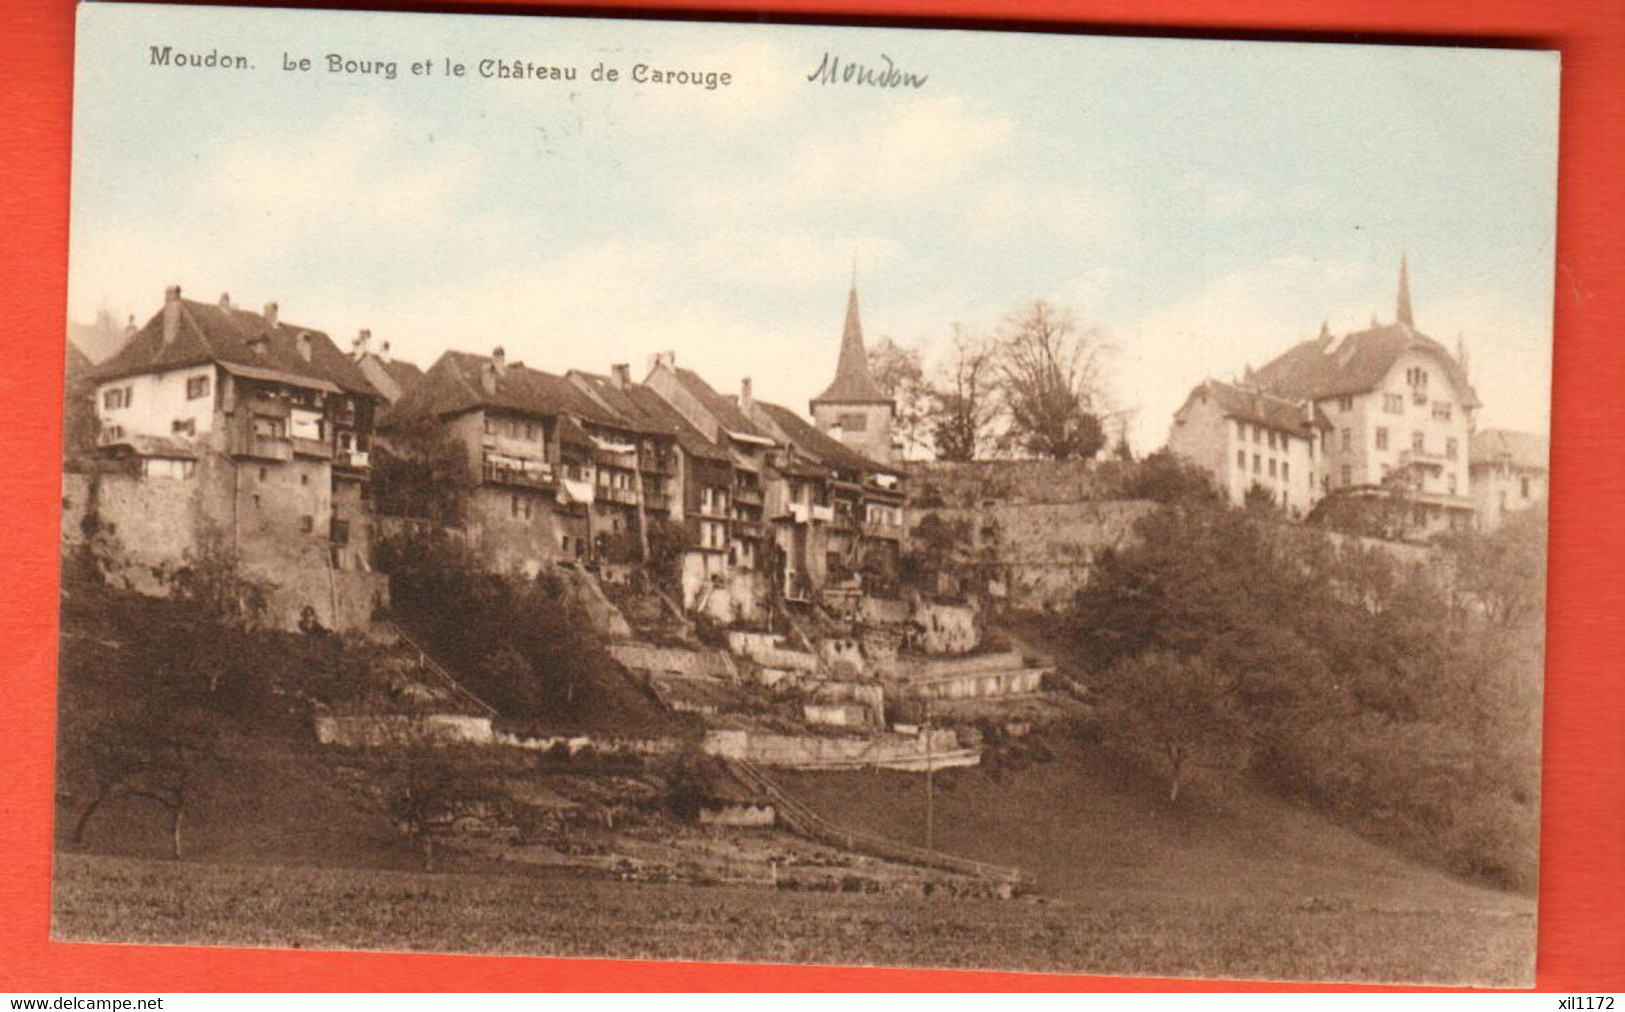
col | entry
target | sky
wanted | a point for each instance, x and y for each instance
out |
(1205, 204)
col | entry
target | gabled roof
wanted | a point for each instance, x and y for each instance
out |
(1354, 364)
(1252, 405)
(853, 384)
(725, 411)
(405, 374)
(669, 419)
(207, 332)
(1520, 449)
(820, 446)
(456, 383)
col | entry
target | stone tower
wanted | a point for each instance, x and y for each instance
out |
(853, 408)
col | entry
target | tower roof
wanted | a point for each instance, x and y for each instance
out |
(853, 384)
(1402, 313)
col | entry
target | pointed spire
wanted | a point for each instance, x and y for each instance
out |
(853, 384)
(1402, 314)
(1461, 351)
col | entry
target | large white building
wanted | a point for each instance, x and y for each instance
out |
(1249, 439)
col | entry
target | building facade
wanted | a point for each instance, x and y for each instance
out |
(1509, 474)
(1248, 439)
(853, 410)
(221, 425)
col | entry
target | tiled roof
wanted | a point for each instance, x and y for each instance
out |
(405, 374)
(456, 383)
(721, 408)
(1355, 364)
(208, 332)
(1520, 449)
(853, 384)
(821, 447)
(692, 440)
(1251, 405)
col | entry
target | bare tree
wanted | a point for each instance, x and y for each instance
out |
(900, 373)
(155, 753)
(963, 399)
(1050, 383)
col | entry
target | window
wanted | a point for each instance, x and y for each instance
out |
(1286, 471)
(1241, 431)
(264, 473)
(1241, 459)
(1272, 467)
(1418, 442)
(1450, 449)
(1258, 434)
(118, 397)
(1348, 475)
(1382, 439)
(1523, 485)
(183, 427)
(854, 421)
(307, 524)
(304, 479)
(1257, 464)
(256, 500)
(1348, 439)
(1272, 439)
(197, 386)
(1452, 483)
(1394, 404)
(1345, 404)
(1441, 410)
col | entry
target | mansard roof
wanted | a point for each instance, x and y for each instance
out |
(1529, 450)
(208, 332)
(853, 384)
(1354, 364)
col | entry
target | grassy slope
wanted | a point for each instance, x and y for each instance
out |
(1085, 827)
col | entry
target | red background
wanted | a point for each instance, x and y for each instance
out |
(1582, 892)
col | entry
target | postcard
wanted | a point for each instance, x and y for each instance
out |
(805, 494)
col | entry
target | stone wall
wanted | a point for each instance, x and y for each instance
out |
(940, 628)
(1043, 550)
(650, 659)
(947, 484)
(770, 651)
(938, 747)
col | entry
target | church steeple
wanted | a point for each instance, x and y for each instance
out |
(1402, 313)
(853, 384)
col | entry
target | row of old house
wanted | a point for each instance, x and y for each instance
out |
(214, 420)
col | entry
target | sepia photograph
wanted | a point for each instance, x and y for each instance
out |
(805, 494)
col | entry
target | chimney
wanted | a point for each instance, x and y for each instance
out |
(225, 300)
(303, 343)
(270, 315)
(499, 360)
(488, 379)
(383, 353)
(663, 358)
(360, 347)
(172, 312)
(621, 372)
(129, 327)
(745, 401)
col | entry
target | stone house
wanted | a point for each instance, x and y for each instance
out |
(217, 422)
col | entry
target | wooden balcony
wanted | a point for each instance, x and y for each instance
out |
(278, 448)
(619, 496)
(748, 494)
(318, 449)
(536, 478)
(884, 531)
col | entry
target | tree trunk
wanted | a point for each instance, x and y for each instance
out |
(175, 832)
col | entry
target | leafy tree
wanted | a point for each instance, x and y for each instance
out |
(419, 470)
(964, 400)
(1180, 712)
(1258, 499)
(1050, 384)
(899, 371)
(1165, 476)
